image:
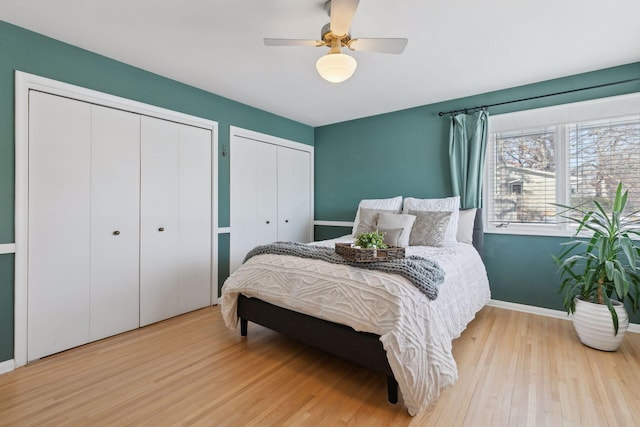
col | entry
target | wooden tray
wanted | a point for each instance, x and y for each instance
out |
(367, 255)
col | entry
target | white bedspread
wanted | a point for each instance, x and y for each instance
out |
(416, 332)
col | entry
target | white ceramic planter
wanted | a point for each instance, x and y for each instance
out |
(594, 325)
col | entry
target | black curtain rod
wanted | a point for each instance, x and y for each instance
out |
(484, 107)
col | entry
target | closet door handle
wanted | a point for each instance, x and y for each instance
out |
(286, 220)
(116, 233)
(161, 229)
(268, 222)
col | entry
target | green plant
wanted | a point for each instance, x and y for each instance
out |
(604, 266)
(373, 239)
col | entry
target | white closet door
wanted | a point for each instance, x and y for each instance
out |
(253, 197)
(159, 209)
(195, 218)
(294, 219)
(59, 224)
(267, 193)
(175, 254)
(242, 196)
(115, 217)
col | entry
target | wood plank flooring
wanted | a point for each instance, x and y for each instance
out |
(515, 369)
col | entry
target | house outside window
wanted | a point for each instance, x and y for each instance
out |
(568, 154)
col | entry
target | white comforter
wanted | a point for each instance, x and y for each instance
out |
(416, 332)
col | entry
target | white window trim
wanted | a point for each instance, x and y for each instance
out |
(602, 108)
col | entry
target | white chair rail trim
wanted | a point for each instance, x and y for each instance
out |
(7, 248)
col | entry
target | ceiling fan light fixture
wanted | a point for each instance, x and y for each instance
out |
(336, 67)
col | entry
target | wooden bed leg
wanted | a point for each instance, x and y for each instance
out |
(392, 389)
(243, 327)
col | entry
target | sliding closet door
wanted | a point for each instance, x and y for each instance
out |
(175, 247)
(294, 204)
(59, 224)
(115, 217)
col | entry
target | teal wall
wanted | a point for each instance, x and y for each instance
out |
(6, 307)
(33, 53)
(406, 153)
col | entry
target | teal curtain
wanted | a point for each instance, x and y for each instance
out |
(467, 149)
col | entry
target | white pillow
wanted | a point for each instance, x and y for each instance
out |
(403, 221)
(369, 220)
(448, 204)
(394, 204)
(465, 225)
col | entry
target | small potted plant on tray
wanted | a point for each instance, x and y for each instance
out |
(373, 240)
(600, 272)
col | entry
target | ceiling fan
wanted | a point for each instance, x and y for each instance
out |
(335, 66)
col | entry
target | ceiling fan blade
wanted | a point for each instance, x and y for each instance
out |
(292, 42)
(342, 12)
(379, 45)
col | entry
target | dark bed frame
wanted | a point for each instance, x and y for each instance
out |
(362, 348)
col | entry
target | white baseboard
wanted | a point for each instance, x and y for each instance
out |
(7, 366)
(547, 312)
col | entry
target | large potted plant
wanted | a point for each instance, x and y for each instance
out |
(600, 271)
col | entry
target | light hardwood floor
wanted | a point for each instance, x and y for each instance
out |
(515, 369)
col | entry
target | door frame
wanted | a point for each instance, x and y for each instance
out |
(25, 82)
(237, 134)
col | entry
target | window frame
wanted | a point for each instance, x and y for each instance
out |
(557, 116)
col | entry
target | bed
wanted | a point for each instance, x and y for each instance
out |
(378, 320)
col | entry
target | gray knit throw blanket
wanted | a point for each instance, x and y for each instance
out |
(425, 274)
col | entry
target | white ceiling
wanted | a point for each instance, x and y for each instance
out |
(456, 48)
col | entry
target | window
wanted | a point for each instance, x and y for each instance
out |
(516, 187)
(568, 155)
